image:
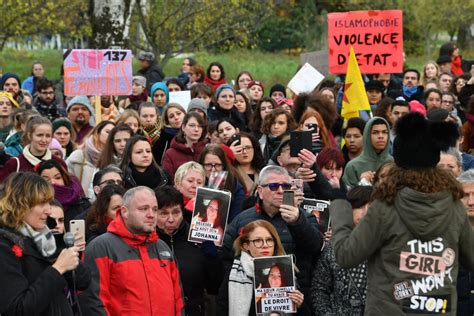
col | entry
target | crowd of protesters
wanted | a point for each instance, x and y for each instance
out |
(400, 180)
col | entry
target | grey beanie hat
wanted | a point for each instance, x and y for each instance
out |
(140, 80)
(83, 100)
(197, 103)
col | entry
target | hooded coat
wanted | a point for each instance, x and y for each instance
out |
(369, 159)
(414, 248)
(131, 275)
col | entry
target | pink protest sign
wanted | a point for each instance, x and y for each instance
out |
(97, 72)
(377, 38)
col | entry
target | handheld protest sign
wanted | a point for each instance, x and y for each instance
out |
(181, 97)
(377, 37)
(320, 210)
(211, 209)
(91, 72)
(274, 279)
(305, 80)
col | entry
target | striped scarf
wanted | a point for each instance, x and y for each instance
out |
(241, 285)
(43, 239)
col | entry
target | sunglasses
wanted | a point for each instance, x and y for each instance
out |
(275, 186)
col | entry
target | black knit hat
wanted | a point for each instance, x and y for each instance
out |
(7, 76)
(374, 85)
(443, 59)
(419, 142)
(57, 123)
(278, 87)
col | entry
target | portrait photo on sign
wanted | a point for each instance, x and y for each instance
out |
(211, 208)
(274, 280)
(320, 210)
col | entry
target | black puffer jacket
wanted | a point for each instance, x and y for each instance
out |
(29, 285)
(194, 267)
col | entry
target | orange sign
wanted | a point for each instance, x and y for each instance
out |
(377, 38)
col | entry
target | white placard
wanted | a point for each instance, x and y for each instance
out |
(181, 97)
(305, 80)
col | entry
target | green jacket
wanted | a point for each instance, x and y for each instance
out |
(413, 248)
(369, 159)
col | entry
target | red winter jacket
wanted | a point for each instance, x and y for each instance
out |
(179, 153)
(131, 275)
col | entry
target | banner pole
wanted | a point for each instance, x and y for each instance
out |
(98, 112)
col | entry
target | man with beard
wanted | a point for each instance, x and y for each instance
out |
(79, 112)
(11, 83)
(45, 102)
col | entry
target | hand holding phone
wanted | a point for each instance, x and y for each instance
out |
(78, 228)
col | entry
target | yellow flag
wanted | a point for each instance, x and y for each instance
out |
(355, 97)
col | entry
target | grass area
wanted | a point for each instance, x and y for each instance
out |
(270, 68)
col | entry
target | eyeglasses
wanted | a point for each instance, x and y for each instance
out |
(258, 243)
(247, 148)
(275, 186)
(209, 166)
(117, 182)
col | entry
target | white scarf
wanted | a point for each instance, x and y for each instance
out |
(34, 160)
(43, 239)
(241, 285)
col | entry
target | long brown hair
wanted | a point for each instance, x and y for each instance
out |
(323, 131)
(428, 180)
(233, 176)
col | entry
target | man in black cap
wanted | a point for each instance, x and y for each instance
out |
(444, 63)
(149, 69)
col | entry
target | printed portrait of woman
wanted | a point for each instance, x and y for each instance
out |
(211, 214)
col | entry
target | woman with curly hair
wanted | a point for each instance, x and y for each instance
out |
(416, 227)
(318, 102)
